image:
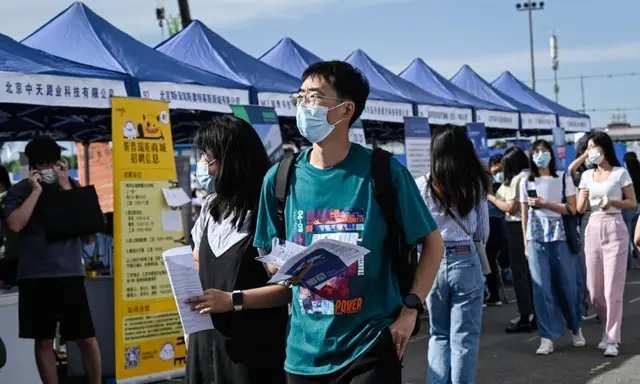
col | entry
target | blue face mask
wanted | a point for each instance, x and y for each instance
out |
(589, 164)
(542, 159)
(205, 180)
(499, 177)
(312, 122)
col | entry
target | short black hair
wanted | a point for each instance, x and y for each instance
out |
(348, 82)
(514, 161)
(242, 165)
(495, 160)
(42, 150)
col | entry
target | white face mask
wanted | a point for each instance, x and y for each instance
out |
(49, 176)
(595, 156)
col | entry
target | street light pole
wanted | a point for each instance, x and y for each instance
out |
(185, 13)
(531, 6)
(160, 16)
(555, 63)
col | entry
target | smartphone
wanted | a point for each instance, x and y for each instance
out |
(532, 193)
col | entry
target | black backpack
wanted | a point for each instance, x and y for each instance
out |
(405, 256)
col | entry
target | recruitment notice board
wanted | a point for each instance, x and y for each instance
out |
(149, 341)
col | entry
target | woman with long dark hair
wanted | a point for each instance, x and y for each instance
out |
(456, 193)
(515, 166)
(631, 215)
(546, 195)
(607, 190)
(233, 352)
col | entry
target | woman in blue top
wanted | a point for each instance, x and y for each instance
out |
(456, 193)
(553, 267)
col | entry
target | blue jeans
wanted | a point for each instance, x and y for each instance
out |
(556, 277)
(455, 314)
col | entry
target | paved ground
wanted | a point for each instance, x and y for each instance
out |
(511, 359)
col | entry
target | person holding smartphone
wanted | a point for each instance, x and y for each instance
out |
(553, 266)
(50, 274)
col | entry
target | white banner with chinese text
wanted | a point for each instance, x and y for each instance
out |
(538, 121)
(497, 119)
(445, 115)
(281, 102)
(575, 124)
(386, 111)
(196, 97)
(58, 91)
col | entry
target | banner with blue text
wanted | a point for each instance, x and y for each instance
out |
(477, 133)
(559, 147)
(417, 144)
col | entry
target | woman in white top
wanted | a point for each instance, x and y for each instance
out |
(606, 190)
(546, 195)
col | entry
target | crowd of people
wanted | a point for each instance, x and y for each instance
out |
(564, 237)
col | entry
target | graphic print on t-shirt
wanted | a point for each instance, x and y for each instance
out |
(339, 295)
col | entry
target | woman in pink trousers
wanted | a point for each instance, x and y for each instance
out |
(607, 190)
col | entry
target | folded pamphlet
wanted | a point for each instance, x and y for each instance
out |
(328, 258)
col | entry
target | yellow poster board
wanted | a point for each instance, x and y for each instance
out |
(149, 340)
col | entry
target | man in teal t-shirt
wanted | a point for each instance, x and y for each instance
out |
(353, 329)
(331, 196)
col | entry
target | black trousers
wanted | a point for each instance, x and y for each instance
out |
(520, 270)
(496, 246)
(379, 364)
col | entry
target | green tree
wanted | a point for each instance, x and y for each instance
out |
(174, 25)
(12, 166)
(72, 161)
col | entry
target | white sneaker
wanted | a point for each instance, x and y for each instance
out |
(611, 350)
(578, 339)
(602, 345)
(545, 348)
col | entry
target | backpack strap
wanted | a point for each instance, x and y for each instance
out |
(283, 177)
(382, 185)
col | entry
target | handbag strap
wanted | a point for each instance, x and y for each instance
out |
(459, 223)
(564, 195)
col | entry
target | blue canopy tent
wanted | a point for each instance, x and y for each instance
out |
(532, 120)
(437, 109)
(492, 115)
(81, 35)
(199, 46)
(290, 57)
(40, 91)
(571, 121)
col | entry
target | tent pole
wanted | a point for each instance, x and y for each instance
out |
(86, 163)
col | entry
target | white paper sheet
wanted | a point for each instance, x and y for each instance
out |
(281, 251)
(185, 283)
(328, 258)
(175, 197)
(171, 221)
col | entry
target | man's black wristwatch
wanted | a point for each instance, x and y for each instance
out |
(412, 301)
